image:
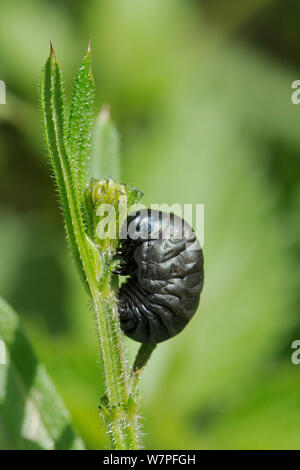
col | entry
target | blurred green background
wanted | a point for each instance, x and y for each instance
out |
(201, 94)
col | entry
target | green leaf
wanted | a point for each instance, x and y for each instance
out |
(80, 123)
(32, 415)
(105, 148)
(53, 112)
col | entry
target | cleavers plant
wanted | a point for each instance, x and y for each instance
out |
(78, 150)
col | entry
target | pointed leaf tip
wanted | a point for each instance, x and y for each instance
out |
(90, 44)
(105, 111)
(52, 52)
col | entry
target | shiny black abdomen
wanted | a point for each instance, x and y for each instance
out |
(166, 277)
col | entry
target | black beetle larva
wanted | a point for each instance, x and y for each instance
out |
(165, 276)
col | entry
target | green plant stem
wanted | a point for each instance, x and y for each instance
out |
(122, 422)
(119, 408)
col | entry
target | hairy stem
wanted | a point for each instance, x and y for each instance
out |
(119, 407)
(119, 415)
